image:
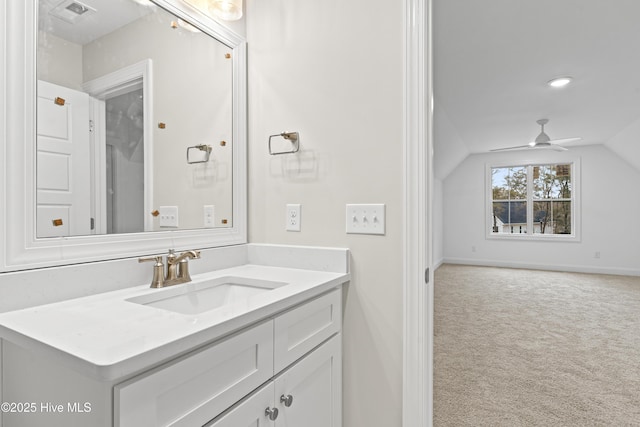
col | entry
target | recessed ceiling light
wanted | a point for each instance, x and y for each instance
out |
(560, 81)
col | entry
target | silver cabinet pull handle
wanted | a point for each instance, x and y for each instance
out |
(286, 400)
(271, 413)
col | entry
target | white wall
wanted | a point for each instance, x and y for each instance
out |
(333, 71)
(609, 209)
(448, 148)
(626, 144)
(59, 61)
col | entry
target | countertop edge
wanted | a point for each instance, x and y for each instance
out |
(151, 358)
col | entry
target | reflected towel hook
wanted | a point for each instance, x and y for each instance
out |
(294, 137)
(193, 157)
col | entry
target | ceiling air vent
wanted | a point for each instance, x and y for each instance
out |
(72, 11)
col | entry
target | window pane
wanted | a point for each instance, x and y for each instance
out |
(563, 182)
(500, 216)
(543, 180)
(499, 183)
(517, 181)
(542, 218)
(552, 217)
(552, 182)
(509, 217)
(509, 183)
(561, 217)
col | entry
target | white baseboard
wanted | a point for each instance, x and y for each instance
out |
(553, 267)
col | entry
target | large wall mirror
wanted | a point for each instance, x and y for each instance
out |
(134, 130)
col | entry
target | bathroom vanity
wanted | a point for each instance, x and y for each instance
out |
(254, 344)
(253, 339)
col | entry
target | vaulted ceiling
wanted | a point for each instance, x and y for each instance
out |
(493, 59)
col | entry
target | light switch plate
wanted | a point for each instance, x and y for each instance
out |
(293, 217)
(168, 216)
(366, 219)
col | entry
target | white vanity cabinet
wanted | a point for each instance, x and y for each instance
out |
(293, 360)
(188, 390)
(308, 394)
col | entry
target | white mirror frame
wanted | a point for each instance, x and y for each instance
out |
(20, 249)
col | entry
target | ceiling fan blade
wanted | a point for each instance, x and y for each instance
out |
(565, 140)
(518, 147)
(558, 148)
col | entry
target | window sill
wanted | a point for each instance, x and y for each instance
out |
(568, 238)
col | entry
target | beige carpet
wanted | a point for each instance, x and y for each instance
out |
(535, 348)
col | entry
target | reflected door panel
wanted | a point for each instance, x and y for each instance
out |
(63, 190)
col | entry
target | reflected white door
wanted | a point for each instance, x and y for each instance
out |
(63, 165)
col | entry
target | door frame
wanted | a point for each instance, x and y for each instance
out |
(417, 402)
(108, 86)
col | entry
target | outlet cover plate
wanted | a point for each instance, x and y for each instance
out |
(293, 217)
(209, 212)
(366, 219)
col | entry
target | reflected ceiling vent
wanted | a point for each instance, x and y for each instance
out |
(72, 11)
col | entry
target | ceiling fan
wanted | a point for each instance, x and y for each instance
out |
(542, 141)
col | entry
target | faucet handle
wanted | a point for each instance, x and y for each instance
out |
(157, 259)
(158, 270)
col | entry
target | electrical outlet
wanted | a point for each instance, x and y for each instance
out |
(293, 217)
(209, 216)
(168, 216)
(366, 219)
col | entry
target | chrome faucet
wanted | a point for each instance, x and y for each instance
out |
(177, 268)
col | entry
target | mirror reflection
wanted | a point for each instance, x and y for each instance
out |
(134, 121)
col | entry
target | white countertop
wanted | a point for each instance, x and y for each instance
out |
(108, 338)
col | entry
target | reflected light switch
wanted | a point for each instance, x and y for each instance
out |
(168, 216)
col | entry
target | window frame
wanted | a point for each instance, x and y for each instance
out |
(574, 236)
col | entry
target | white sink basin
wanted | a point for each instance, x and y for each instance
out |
(205, 295)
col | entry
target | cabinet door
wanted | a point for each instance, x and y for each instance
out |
(300, 330)
(309, 394)
(251, 412)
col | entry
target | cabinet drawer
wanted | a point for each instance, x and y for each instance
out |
(250, 412)
(200, 386)
(299, 330)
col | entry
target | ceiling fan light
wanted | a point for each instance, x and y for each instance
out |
(559, 82)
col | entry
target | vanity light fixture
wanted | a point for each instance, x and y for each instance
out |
(228, 10)
(559, 82)
(145, 3)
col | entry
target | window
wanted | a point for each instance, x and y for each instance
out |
(532, 201)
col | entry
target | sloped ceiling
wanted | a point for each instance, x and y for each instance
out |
(493, 58)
